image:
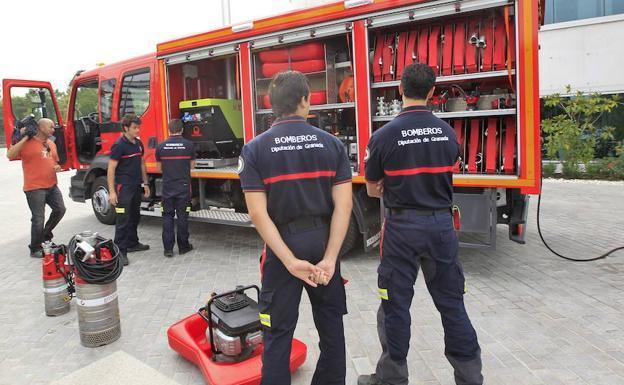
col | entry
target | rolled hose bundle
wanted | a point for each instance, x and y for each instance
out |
(102, 271)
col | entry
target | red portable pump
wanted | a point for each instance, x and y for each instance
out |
(58, 287)
(224, 338)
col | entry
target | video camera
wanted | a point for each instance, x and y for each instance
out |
(30, 124)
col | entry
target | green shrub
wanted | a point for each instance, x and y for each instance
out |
(548, 169)
(571, 134)
(612, 168)
(593, 170)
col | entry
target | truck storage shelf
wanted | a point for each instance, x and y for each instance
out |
(317, 107)
(344, 64)
(457, 114)
(485, 176)
(315, 73)
(452, 78)
(218, 170)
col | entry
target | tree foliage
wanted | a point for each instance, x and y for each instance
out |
(571, 134)
(23, 104)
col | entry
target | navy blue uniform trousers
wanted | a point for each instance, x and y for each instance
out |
(178, 206)
(409, 242)
(279, 309)
(128, 211)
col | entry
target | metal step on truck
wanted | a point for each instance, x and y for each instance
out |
(484, 52)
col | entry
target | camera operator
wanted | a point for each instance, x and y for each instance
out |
(40, 165)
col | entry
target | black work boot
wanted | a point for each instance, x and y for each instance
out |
(138, 247)
(36, 254)
(184, 250)
(124, 259)
(370, 379)
(168, 253)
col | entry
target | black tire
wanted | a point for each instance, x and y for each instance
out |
(102, 208)
(351, 238)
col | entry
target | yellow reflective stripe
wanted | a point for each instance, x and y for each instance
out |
(265, 319)
(383, 293)
(120, 210)
(465, 287)
(188, 209)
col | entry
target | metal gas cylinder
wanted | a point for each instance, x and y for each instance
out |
(56, 295)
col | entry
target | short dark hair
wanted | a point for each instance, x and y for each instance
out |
(128, 119)
(175, 126)
(286, 90)
(417, 80)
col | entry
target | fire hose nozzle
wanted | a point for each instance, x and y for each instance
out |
(474, 39)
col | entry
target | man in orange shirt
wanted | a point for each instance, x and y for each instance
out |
(40, 165)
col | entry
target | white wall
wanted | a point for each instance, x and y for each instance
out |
(586, 54)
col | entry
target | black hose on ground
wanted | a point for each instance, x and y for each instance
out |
(539, 230)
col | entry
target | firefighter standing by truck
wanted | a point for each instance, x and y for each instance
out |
(409, 162)
(176, 157)
(297, 184)
(127, 179)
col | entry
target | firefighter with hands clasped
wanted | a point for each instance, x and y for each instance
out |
(127, 180)
(176, 158)
(409, 163)
(297, 184)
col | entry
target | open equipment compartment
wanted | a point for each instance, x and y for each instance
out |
(473, 57)
(328, 67)
(205, 94)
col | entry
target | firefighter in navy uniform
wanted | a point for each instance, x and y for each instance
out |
(176, 157)
(127, 180)
(409, 163)
(297, 184)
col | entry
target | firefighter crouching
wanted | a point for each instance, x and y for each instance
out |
(409, 162)
(297, 184)
(176, 157)
(127, 180)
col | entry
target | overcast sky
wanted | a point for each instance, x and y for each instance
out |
(51, 40)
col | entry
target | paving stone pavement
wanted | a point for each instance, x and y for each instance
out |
(540, 320)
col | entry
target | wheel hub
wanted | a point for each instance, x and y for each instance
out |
(100, 201)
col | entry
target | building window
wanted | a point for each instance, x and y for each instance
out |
(613, 7)
(559, 11)
(135, 93)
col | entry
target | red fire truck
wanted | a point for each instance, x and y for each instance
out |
(485, 53)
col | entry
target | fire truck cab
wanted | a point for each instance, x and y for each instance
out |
(483, 51)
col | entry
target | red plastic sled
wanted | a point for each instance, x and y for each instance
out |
(301, 52)
(270, 69)
(188, 337)
(316, 97)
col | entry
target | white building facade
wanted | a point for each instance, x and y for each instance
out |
(582, 45)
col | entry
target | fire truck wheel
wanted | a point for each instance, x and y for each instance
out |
(102, 208)
(353, 234)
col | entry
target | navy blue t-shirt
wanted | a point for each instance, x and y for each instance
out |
(296, 165)
(414, 154)
(175, 154)
(128, 155)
